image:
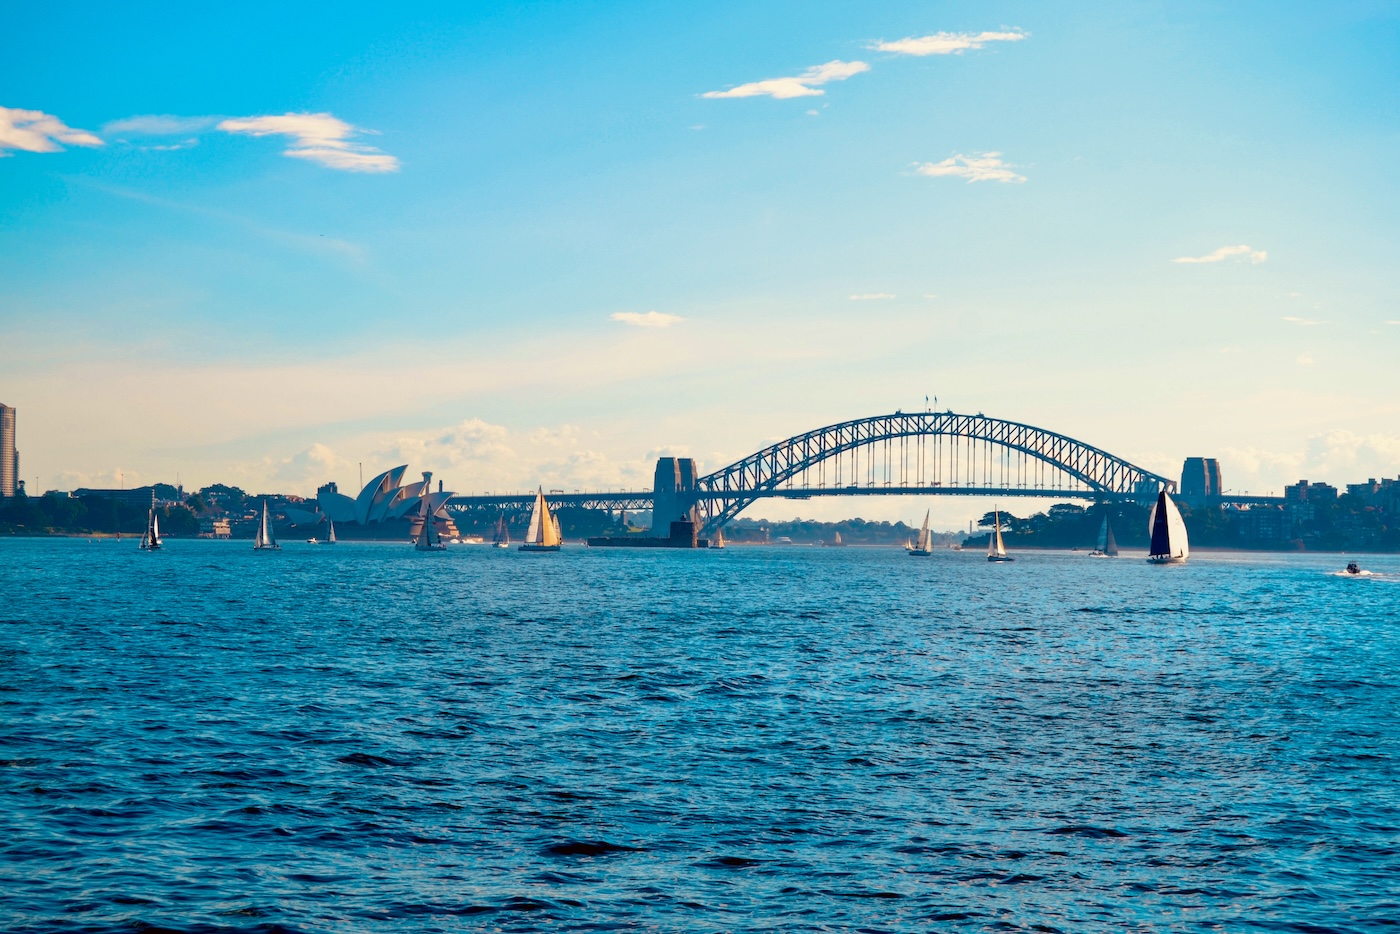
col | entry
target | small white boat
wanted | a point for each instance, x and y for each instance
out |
(543, 534)
(150, 540)
(923, 547)
(1106, 546)
(718, 540)
(1169, 543)
(996, 548)
(429, 539)
(265, 540)
(501, 537)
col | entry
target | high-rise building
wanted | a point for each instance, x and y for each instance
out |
(9, 457)
(1200, 478)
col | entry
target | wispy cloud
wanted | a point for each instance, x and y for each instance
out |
(158, 125)
(948, 43)
(649, 319)
(1239, 252)
(36, 131)
(1306, 322)
(320, 138)
(981, 167)
(803, 85)
(1306, 360)
(871, 296)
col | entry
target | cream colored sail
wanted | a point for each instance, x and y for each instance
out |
(532, 534)
(925, 542)
(549, 525)
(995, 546)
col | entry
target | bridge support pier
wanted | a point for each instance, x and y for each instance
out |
(673, 493)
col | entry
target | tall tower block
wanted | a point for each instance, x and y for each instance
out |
(9, 457)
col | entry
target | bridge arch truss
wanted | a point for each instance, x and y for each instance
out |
(922, 453)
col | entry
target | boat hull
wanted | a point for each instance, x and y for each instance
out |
(1165, 559)
(999, 559)
(919, 553)
(539, 547)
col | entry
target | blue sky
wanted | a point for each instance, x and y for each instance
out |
(521, 245)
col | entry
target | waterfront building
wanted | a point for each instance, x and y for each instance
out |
(1305, 492)
(385, 507)
(9, 456)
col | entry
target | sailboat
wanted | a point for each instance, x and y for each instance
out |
(996, 548)
(429, 539)
(718, 540)
(1169, 544)
(1106, 546)
(265, 540)
(330, 537)
(924, 546)
(501, 538)
(836, 541)
(543, 534)
(150, 541)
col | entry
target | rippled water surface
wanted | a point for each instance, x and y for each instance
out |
(361, 738)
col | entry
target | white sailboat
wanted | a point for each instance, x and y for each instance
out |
(718, 540)
(1169, 544)
(543, 534)
(429, 539)
(1106, 546)
(996, 548)
(265, 540)
(501, 538)
(923, 547)
(330, 537)
(150, 540)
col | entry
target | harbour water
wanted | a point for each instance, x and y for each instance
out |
(365, 738)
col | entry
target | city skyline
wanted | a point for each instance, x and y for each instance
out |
(551, 244)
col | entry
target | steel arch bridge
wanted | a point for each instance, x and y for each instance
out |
(919, 453)
(904, 454)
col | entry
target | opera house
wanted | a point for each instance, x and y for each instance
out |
(385, 508)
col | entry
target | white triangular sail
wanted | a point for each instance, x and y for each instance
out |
(264, 538)
(996, 548)
(1168, 530)
(532, 534)
(330, 537)
(925, 541)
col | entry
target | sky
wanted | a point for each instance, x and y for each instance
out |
(544, 243)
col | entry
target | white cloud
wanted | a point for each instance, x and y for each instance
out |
(650, 319)
(1305, 322)
(1305, 359)
(803, 85)
(1393, 322)
(981, 167)
(948, 43)
(318, 137)
(158, 125)
(36, 131)
(871, 296)
(1241, 251)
